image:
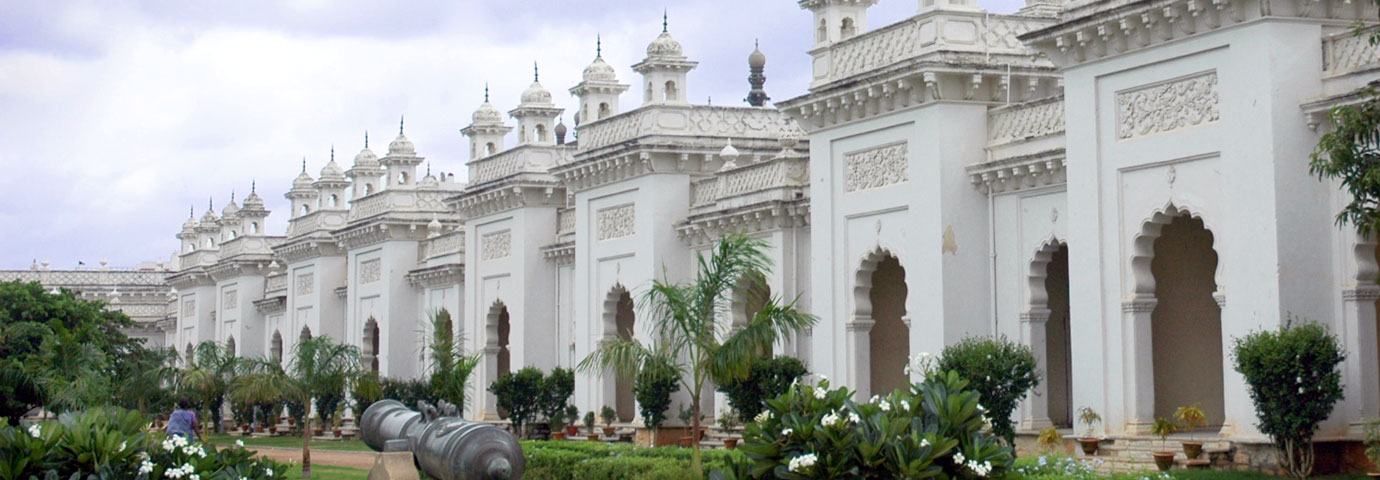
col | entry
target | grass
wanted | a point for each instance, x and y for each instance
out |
(1065, 468)
(327, 471)
(290, 442)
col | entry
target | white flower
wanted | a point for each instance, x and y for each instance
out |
(787, 432)
(874, 399)
(146, 467)
(885, 406)
(980, 409)
(35, 431)
(239, 443)
(924, 442)
(123, 446)
(905, 405)
(268, 471)
(829, 419)
(819, 393)
(761, 417)
(141, 456)
(799, 464)
(853, 417)
(958, 458)
(194, 477)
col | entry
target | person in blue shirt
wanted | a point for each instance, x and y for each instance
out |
(183, 421)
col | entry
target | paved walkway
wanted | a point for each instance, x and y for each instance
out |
(360, 460)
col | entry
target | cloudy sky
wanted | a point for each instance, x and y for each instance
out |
(117, 116)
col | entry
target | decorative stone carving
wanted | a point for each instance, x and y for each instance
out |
(306, 284)
(188, 307)
(496, 245)
(232, 298)
(617, 222)
(370, 271)
(1168, 106)
(876, 168)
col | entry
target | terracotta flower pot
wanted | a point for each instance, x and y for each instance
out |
(572, 430)
(593, 437)
(1164, 460)
(730, 443)
(686, 442)
(336, 432)
(558, 435)
(292, 421)
(1089, 445)
(258, 429)
(608, 431)
(273, 430)
(1193, 449)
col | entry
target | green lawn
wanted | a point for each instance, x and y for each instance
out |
(330, 472)
(290, 442)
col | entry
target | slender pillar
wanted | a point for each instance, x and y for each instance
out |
(1033, 322)
(1138, 360)
(490, 374)
(1360, 372)
(861, 356)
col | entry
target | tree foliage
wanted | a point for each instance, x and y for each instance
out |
(1294, 381)
(685, 319)
(520, 394)
(451, 367)
(767, 378)
(655, 383)
(1350, 153)
(1001, 370)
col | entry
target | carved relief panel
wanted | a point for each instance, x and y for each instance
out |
(370, 271)
(1167, 106)
(496, 245)
(231, 300)
(617, 222)
(305, 284)
(875, 168)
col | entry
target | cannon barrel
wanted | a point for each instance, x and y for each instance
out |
(446, 448)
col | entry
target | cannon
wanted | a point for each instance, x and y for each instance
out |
(443, 445)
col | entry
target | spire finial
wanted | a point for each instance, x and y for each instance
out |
(663, 20)
(428, 168)
(191, 212)
(486, 92)
(252, 185)
(400, 124)
(232, 195)
(598, 46)
(366, 139)
(332, 152)
(535, 75)
(210, 204)
(304, 164)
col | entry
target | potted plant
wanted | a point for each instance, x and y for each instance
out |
(1050, 440)
(320, 425)
(571, 415)
(1088, 416)
(272, 429)
(336, 422)
(557, 424)
(1372, 443)
(1191, 418)
(608, 415)
(1162, 428)
(727, 422)
(589, 426)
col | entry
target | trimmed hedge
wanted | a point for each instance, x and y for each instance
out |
(569, 460)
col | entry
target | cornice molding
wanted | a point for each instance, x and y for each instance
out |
(437, 276)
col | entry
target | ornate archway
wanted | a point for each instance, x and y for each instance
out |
(276, 347)
(620, 322)
(371, 344)
(1045, 329)
(879, 332)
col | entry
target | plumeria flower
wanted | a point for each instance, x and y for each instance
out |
(268, 471)
(787, 432)
(146, 467)
(958, 458)
(905, 405)
(800, 463)
(885, 406)
(239, 443)
(123, 446)
(924, 442)
(819, 393)
(194, 477)
(35, 430)
(763, 417)
(980, 408)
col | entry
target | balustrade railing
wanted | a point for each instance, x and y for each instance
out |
(1019, 122)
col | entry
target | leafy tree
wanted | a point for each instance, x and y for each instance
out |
(208, 377)
(685, 322)
(319, 369)
(520, 394)
(1294, 381)
(767, 378)
(409, 392)
(556, 391)
(451, 367)
(366, 389)
(143, 380)
(655, 383)
(1003, 371)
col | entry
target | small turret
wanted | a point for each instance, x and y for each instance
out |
(598, 89)
(536, 114)
(664, 70)
(400, 165)
(253, 214)
(303, 194)
(757, 62)
(330, 189)
(486, 130)
(366, 175)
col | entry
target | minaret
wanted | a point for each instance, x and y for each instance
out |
(400, 165)
(664, 69)
(188, 233)
(536, 115)
(366, 175)
(330, 189)
(486, 130)
(208, 229)
(303, 195)
(598, 90)
(757, 62)
(253, 214)
(230, 221)
(837, 20)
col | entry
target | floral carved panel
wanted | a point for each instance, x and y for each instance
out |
(1168, 106)
(876, 168)
(306, 284)
(232, 299)
(370, 271)
(617, 222)
(496, 245)
(188, 307)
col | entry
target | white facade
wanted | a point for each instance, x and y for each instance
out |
(1120, 185)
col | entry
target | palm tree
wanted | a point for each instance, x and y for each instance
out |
(209, 375)
(451, 367)
(319, 369)
(686, 326)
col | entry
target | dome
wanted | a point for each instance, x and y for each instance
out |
(729, 153)
(600, 71)
(401, 146)
(366, 157)
(303, 181)
(332, 171)
(664, 46)
(486, 114)
(189, 225)
(209, 218)
(756, 59)
(429, 181)
(536, 94)
(230, 209)
(253, 201)
(561, 129)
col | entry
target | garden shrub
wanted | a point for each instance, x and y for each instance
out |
(934, 429)
(113, 444)
(366, 390)
(655, 383)
(409, 392)
(1294, 382)
(1002, 370)
(767, 378)
(556, 391)
(597, 460)
(519, 394)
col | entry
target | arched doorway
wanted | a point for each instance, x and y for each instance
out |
(371, 344)
(305, 335)
(1058, 351)
(191, 358)
(505, 355)
(230, 346)
(748, 298)
(1186, 325)
(624, 324)
(276, 348)
(881, 312)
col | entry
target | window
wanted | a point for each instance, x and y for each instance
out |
(335, 200)
(847, 29)
(822, 34)
(541, 133)
(253, 227)
(402, 178)
(603, 109)
(489, 149)
(671, 93)
(368, 188)
(306, 209)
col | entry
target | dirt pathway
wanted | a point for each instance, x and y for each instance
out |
(339, 458)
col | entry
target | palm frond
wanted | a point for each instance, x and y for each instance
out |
(622, 357)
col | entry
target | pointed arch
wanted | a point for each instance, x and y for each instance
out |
(305, 335)
(230, 346)
(1045, 329)
(371, 344)
(1143, 246)
(880, 328)
(276, 348)
(620, 322)
(497, 327)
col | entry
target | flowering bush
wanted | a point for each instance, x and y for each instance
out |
(935, 429)
(112, 444)
(1003, 370)
(767, 378)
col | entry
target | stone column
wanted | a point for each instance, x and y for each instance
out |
(860, 354)
(1360, 373)
(490, 374)
(1036, 413)
(1138, 377)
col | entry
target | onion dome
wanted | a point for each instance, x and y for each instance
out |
(401, 146)
(664, 46)
(366, 158)
(561, 131)
(487, 114)
(189, 226)
(230, 209)
(303, 180)
(756, 59)
(253, 201)
(729, 155)
(433, 228)
(600, 71)
(536, 94)
(209, 217)
(332, 171)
